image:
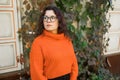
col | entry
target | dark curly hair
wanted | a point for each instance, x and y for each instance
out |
(62, 28)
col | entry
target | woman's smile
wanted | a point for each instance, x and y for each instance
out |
(49, 25)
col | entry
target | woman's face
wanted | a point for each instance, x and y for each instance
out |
(50, 21)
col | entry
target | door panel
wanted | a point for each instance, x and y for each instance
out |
(7, 27)
(115, 21)
(8, 55)
(114, 43)
(6, 3)
(114, 31)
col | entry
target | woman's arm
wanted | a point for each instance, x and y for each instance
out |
(74, 69)
(36, 62)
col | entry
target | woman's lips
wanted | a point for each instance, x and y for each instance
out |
(49, 25)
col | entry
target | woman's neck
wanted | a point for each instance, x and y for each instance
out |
(54, 31)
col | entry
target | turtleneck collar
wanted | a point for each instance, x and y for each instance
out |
(53, 35)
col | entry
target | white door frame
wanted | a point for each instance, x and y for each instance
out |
(10, 45)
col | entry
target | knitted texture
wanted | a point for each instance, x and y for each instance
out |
(52, 55)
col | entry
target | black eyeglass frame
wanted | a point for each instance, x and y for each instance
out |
(51, 18)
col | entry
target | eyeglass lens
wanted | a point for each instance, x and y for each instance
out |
(51, 18)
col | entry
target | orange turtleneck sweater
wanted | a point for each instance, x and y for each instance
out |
(52, 56)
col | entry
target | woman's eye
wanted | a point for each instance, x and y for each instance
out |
(52, 17)
(45, 17)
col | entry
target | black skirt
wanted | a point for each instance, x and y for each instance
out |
(65, 77)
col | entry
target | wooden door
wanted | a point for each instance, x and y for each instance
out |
(10, 47)
(114, 31)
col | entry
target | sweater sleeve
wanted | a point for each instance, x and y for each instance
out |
(36, 62)
(74, 71)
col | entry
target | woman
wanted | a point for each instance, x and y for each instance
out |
(52, 55)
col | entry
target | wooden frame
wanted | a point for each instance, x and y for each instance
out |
(9, 4)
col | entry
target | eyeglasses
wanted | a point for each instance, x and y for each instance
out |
(49, 19)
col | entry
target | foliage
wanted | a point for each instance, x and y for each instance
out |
(88, 35)
(26, 32)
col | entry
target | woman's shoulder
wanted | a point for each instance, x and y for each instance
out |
(68, 38)
(38, 39)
